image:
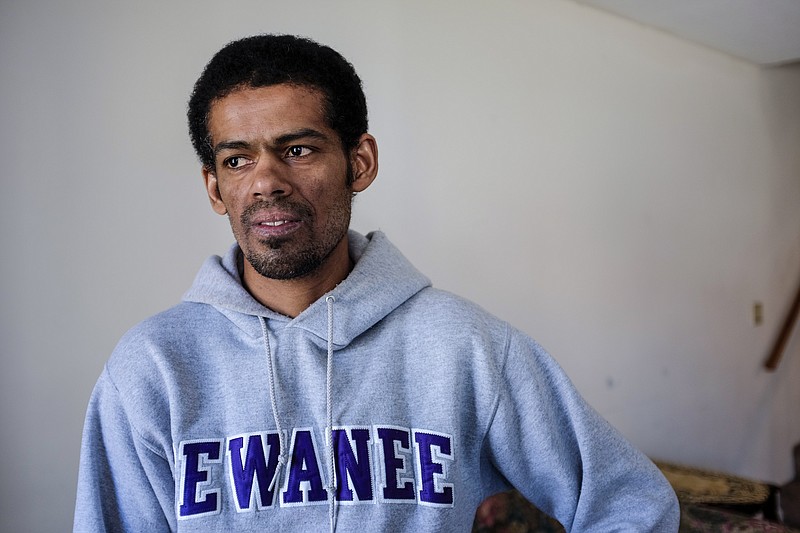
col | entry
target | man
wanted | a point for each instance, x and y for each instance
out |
(311, 378)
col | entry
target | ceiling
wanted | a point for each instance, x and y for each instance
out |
(766, 32)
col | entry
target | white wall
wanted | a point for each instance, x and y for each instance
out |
(621, 195)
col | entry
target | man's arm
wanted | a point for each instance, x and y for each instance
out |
(123, 484)
(566, 459)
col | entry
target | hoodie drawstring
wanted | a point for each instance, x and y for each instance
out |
(329, 410)
(273, 401)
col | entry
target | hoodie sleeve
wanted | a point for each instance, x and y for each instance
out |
(123, 484)
(565, 458)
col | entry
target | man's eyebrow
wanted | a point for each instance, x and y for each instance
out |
(304, 133)
(231, 145)
(281, 140)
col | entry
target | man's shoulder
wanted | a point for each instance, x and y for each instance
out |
(438, 306)
(176, 320)
(441, 309)
(162, 333)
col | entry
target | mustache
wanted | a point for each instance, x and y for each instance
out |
(296, 209)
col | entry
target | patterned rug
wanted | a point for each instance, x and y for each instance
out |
(509, 512)
(701, 518)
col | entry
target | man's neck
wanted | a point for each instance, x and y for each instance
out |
(292, 297)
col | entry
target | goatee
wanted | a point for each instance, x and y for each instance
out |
(297, 255)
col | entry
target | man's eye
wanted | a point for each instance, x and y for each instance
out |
(298, 151)
(235, 162)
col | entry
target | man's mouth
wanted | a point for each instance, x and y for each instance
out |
(275, 221)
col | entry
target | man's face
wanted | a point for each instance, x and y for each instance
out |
(281, 176)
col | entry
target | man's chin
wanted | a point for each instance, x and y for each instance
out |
(283, 265)
(275, 243)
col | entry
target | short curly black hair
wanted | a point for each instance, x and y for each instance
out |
(264, 60)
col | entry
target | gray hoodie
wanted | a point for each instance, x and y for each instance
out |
(387, 405)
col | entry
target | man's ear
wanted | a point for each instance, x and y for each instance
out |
(212, 188)
(364, 160)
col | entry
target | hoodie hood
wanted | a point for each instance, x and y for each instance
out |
(382, 280)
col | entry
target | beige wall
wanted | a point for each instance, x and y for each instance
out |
(621, 195)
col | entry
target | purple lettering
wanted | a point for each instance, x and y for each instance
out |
(433, 450)
(396, 447)
(352, 467)
(304, 482)
(195, 476)
(251, 471)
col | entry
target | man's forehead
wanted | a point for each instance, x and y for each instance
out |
(272, 111)
(308, 95)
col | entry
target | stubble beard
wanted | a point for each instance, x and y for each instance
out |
(298, 255)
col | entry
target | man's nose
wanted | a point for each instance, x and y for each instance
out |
(271, 177)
